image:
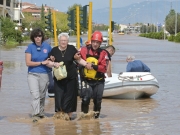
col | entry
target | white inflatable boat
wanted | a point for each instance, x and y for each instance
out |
(130, 85)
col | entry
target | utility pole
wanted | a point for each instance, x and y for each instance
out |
(78, 27)
(151, 18)
(55, 32)
(164, 25)
(90, 21)
(176, 21)
(110, 19)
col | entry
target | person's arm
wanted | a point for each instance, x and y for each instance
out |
(108, 72)
(128, 68)
(102, 63)
(29, 62)
(146, 68)
(81, 62)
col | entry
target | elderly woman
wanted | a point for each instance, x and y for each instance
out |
(65, 89)
(136, 65)
(36, 59)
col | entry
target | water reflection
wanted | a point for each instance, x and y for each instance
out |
(13, 64)
(56, 127)
(89, 128)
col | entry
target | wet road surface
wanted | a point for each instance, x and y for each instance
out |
(158, 115)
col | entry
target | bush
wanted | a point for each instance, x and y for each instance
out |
(171, 38)
(177, 38)
(10, 43)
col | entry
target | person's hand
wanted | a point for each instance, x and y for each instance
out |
(89, 66)
(56, 64)
(52, 58)
(77, 56)
(45, 62)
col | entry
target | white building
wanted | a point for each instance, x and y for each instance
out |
(12, 9)
(122, 27)
(7, 8)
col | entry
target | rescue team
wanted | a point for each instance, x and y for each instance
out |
(93, 64)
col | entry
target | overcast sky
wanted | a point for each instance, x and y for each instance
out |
(62, 5)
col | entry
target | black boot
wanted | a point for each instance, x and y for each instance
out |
(97, 114)
(97, 108)
(84, 108)
(85, 104)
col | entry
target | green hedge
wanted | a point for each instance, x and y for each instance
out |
(171, 38)
(177, 38)
(154, 35)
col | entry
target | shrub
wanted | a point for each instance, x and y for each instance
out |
(177, 38)
(171, 38)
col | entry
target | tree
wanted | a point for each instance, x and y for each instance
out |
(9, 32)
(42, 13)
(81, 19)
(27, 21)
(170, 22)
(100, 27)
(62, 23)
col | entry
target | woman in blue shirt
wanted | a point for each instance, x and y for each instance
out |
(36, 59)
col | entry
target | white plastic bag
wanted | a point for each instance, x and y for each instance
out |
(60, 72)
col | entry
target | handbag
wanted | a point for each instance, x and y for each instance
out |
(60, 72)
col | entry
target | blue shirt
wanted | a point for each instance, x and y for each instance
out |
(39, 54)
(137, 66)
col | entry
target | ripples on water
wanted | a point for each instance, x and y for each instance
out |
(158, 115)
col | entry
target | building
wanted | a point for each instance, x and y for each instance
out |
(7, 8)
(34, 10)
(122, 27)
(15, 8)
(12, 9)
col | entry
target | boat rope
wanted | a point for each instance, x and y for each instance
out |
(136, 78)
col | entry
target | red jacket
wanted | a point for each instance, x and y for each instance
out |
(102, 61)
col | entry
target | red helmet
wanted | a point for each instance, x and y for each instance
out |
(97, 35)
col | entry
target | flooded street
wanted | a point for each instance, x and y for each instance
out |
(158, 115)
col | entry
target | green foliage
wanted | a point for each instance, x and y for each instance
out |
(82, 29)
(100, 27)
(62, 23)
(61, 20)
(170, 22)
(25, 38)
(177, 38)
(10, 43)
(147, 29)
(9, 33)
(31, 22)
(171, 13)
(171, 38)
(27, 21)
(154, 35)
(42, 13)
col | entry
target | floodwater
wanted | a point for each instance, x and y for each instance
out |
(158, 115)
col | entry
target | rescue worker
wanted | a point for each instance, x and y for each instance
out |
(92, 74)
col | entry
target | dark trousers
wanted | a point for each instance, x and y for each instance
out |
(97, 89)
(51, 83)
(65, 95)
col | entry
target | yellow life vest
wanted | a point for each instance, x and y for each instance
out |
(91, 73)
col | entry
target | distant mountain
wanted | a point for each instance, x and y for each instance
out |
(144, 12)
